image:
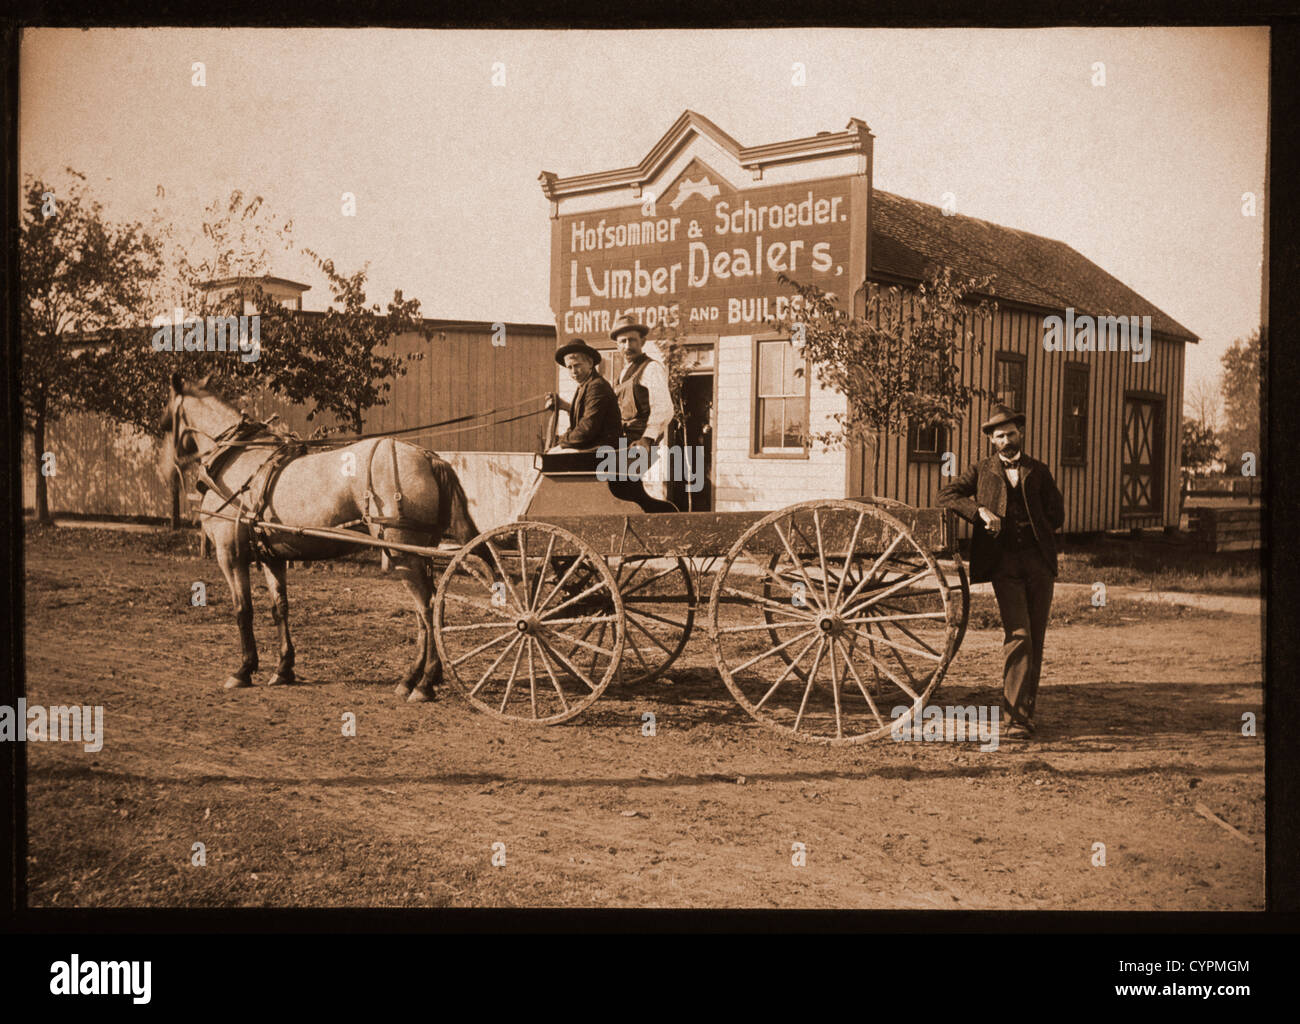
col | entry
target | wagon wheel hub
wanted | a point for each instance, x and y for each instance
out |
(830, 623)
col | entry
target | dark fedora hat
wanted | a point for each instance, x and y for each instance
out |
(1002, 414)
(576, 345)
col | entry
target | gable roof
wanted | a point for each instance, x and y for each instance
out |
(1027, 268)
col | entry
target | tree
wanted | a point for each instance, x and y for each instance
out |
(339, 362)
(1244, 369)
(900, 363)
(1201, 402)
(1200, 448)
(80, 274)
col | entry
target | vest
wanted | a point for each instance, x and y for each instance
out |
(634, 399)
(1018, 531)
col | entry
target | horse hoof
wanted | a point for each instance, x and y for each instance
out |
(403, 689)
(282, 679)
(235, 683)
(422, 696)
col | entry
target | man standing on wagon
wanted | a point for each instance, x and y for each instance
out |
(1016, 508)
(644, 401)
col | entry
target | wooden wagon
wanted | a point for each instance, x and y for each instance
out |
(824, 617)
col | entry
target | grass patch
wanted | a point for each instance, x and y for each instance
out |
(1160, 564)
(1077, 609)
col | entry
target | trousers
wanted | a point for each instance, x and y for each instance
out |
(1023, 585)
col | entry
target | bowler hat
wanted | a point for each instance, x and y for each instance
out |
(628, 323)
(1002, 414)
(577, 345)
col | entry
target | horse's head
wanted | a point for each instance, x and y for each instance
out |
(178, 436)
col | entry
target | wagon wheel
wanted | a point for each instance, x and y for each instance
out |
(658, 607)
(864, 617)
(775, 593)
(510, 625)
(659, 603)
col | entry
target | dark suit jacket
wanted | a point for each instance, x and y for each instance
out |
(594, 416)
(986, 484)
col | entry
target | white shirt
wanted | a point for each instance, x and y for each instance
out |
(1012, 472)
(655, 380)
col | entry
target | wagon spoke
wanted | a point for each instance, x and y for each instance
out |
(505, 576)
(907, 581)
(565, 664)
(558, 583)
(514, 671)
(634, 610)
(835, 689)
(803, 623)
(596, 656)
(483, 647)
(576, 597)
(795, 559)
(875, 566)
(775, 650)
(471, 625)
(893, 678)
(541, 571)
(638, 563)
(821, 557)
(755, 599)
(903, 629)
(546, 654)
(655, 639)
(904, 647)
(493, 667)
(523, 567)
(480, 606)
(645, 583)
(895, 618)
(807, 690)
(532, 679)
(848, 662)
(788, 669)
(636, 649)
(848, 556)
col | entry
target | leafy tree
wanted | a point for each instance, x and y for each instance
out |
(1200, 448)
(80, 274)
(1244, 370)
(898, 363)
(340, 362)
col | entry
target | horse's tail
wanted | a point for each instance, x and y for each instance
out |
(454, 520)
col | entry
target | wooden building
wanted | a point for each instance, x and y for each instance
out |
(695, 235)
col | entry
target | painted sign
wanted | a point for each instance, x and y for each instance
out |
(704, 258)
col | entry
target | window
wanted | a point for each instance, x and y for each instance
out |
(1074, 414)
(926, 444)
(1009, 384)
(780, 400)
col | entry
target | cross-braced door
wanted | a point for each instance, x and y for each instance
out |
(1140, 469)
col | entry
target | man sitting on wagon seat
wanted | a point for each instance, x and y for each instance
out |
(594, 419)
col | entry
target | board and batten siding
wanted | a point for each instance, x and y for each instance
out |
(1091, 491)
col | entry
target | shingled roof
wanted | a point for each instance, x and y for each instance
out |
(1025, 268)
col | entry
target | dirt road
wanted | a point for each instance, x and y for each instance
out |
(1141, 723)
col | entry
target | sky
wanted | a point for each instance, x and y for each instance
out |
(441, 136)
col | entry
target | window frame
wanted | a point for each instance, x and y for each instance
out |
(1011, 357)
(943, 441)
(1077, 369)
(756, 423)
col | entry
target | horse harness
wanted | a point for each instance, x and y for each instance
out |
(248, 433)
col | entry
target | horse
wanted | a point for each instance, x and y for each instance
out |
(395, 490)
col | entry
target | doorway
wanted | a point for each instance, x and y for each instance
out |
(697, 399)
